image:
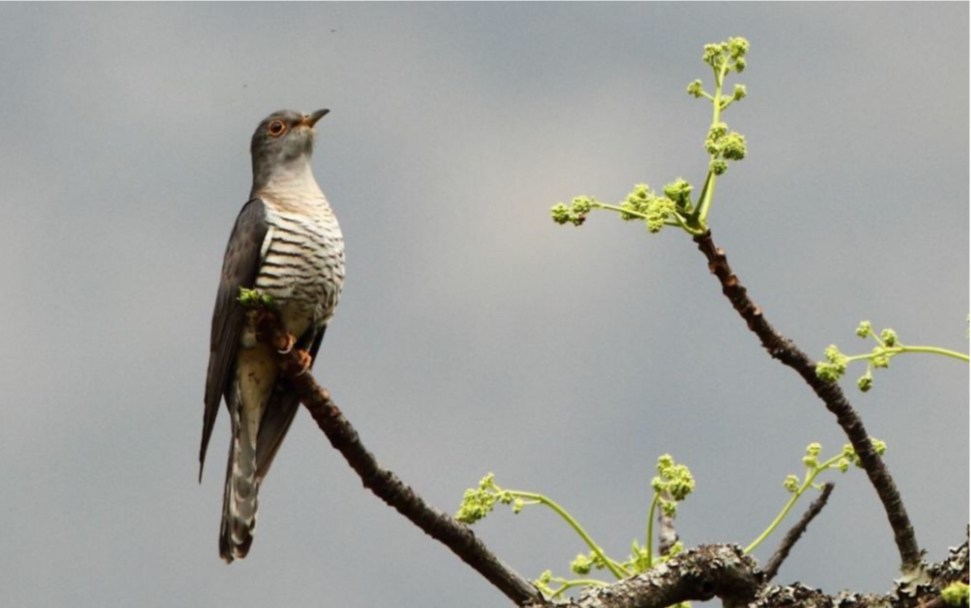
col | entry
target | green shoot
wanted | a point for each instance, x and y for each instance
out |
(888, 346)
(676, 207)
(814, 467)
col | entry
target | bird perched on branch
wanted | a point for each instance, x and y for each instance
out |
(287, 245)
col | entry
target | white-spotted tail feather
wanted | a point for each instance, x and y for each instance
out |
(240, 498)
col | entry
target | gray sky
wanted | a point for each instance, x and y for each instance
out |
(474, 335)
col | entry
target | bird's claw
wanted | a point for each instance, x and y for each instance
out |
(285, 344)
(304, 360)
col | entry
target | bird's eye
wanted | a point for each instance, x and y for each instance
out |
(276, 128)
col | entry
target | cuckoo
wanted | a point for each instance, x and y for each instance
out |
(286, 244)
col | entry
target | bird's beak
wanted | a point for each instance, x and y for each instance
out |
(311, 120)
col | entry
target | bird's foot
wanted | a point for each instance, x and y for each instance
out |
(304, 360)
(285, 343)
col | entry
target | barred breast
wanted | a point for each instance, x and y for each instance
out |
(302, 264)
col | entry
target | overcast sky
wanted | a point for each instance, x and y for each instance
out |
(473, 335)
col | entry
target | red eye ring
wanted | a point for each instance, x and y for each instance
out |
(276, 128)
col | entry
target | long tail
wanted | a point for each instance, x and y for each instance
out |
(240, 495)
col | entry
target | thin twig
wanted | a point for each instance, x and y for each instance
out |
(667, 534)
(791, 537)
(783, 349)
(385, 484)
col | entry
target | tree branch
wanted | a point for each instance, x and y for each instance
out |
(725, 572)
(667, 534)
(793, 536)
(783, 349)
(384, 483)
(702, 573)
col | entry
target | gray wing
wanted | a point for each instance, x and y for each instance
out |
(240, 267)
(279, 414)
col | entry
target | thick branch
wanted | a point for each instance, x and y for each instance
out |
(793, 536)
(386, 485)
(783, 349)
(395, 493)
(725, 572)
(699, 574)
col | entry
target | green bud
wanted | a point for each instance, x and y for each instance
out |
(733, 146)
(889, 337)
(679, 191)
(581, 565)
(582, 204)
(682, 482)
(843, 464)
(740, 92)
(739, 65)
(865, 382)
(560, 213)
(475, 506)
(638, 200)
(836, 366)
(713, 55)
(695, 89)
(640, 192)
(791, 483)
(658, 210)
(863, 329)
(654, 224)
(880, 447)
(248, 298)
(682, 486)
(814, 449)
(833, 355)
(669, 508)
(737, 47)
(829, 372)
(956, 594)
(718, 167)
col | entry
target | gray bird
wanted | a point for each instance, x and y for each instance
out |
(287, 244)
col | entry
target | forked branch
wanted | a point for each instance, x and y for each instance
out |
(783, 349)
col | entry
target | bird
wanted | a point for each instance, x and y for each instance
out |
(286, 244)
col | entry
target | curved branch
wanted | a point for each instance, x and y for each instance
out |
(384, 483)
(783, 349)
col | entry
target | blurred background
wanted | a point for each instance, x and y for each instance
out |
(474, 335)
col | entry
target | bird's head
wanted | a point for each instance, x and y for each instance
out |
(284, 142)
